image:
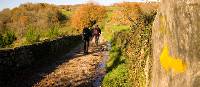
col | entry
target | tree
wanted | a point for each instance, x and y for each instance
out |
(87, 15)
(4, 19)
(127, 13)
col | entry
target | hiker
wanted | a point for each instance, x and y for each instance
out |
(86, 38)
(96, 32)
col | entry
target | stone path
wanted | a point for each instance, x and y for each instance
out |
(78, 71)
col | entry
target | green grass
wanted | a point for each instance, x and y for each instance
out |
(66, 13)
(54, 32)
(116, 65)
(68, 30)
(117, 77)
(32, 35)
(111, 29)
(114, 59)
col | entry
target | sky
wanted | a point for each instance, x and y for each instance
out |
(14, 3)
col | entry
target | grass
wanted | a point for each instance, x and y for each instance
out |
(117, 69)
(115, 58)
(111, 29)
(54, 32)
(32, 35)
(117, 77)
(69, 30)
(66, 13)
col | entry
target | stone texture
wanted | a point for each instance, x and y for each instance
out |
(177, 25)
(16, 60)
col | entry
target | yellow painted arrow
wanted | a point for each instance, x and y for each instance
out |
(171, 63)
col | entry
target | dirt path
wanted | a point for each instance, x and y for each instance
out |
(80, 70)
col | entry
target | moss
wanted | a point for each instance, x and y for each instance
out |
(117, 78)
(130, 49)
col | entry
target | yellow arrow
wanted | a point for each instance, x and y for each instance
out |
(171, 63)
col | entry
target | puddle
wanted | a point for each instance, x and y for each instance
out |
(101, 70)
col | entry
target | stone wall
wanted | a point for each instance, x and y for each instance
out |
(176, 44)
(15, 60)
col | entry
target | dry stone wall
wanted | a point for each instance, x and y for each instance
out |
(18, 59)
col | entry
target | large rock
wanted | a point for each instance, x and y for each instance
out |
(176, 44)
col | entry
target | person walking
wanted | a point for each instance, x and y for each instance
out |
(86, 34)
(96, 32)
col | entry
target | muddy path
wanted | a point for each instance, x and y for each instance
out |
(78, 70)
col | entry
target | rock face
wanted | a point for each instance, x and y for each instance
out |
(176, 44)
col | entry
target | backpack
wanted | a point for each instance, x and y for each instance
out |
(96, 32)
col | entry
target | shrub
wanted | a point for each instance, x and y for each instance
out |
(1, 41)
(133, 48)
(126, 13)
(40, 15)
(62, 17)
(32, 35)
(9, 38)
(139, 49)
(87, 15)
(53, 32)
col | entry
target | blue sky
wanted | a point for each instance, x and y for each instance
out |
(15, 3)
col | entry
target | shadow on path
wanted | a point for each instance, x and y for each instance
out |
(79, 71)
(29, 77)
(33, 76)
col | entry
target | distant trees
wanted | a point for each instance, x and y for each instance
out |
(4, 20)
(38, 15)
(87, 15)
(41, 17)
(49, 19)
(129, 12)
(126, 13)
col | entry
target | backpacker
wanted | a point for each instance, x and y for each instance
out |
(86, 33)
(96, 31)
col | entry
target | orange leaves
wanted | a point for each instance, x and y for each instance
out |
(86, 14)
(41, 15)
(126, 14)
(130, 11)
(23, 20)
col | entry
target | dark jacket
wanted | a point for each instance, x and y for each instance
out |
(86, 34)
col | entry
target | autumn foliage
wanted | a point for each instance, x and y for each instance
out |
(87, 15)
(128, 12)
(30, 18)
